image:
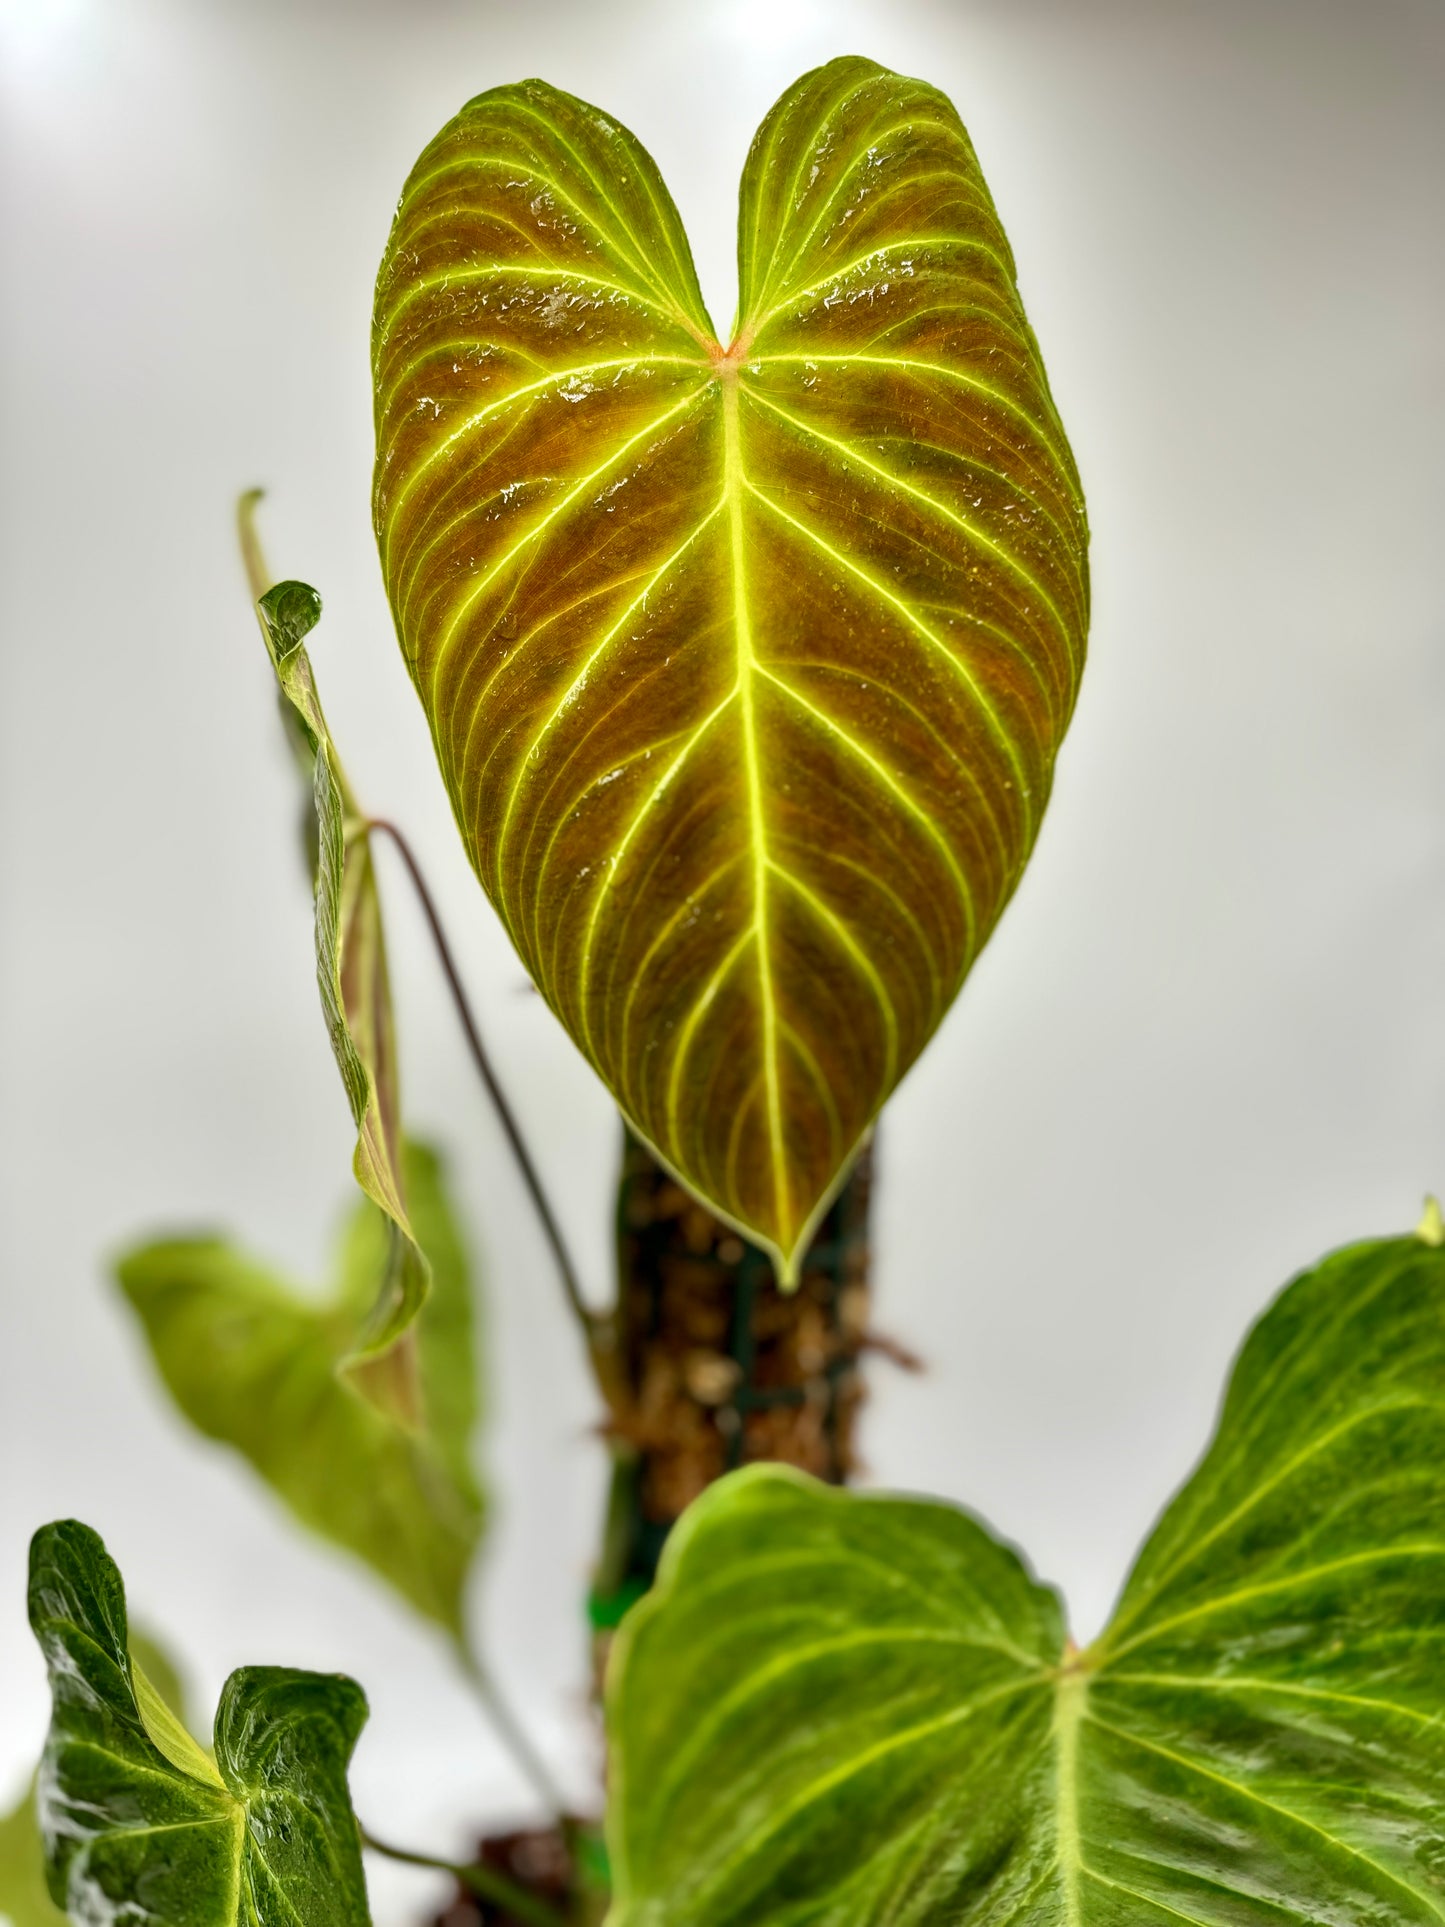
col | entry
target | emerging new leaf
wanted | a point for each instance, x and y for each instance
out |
(746, 666)
(255, 1364)
(139, 1823)
(352, 975)
(851, 1711)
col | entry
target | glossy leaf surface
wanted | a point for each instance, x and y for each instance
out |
(746, 667)
(255, 1364)
(351, 973)
(139, 1823)
(851, 1710)
(24, 1895)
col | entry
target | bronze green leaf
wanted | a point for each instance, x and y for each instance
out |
(746, 665)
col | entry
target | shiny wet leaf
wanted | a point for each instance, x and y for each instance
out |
(139, 1823)
(24, 1895)
(746, 665)
(853, 1710)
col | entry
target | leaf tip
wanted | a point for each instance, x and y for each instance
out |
(54, 1541)
(787, 1269)
(1431, 1228)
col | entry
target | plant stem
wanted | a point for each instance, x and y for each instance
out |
(510, 1730)
(585, 1317)
(258, 576)
(482, 1880)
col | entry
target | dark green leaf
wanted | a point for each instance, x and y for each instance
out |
(746, 667)
(289, 612)
(846, 1710)
(140, 1826)
(24, 1897)
(256, 1364)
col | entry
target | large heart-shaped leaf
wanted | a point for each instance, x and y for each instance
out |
(256, 1364)
(746, 666)
(846, 1710)
(139, 1823)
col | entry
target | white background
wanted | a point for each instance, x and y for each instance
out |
(1208, 1041)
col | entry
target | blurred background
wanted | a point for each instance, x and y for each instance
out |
(1208, 1041)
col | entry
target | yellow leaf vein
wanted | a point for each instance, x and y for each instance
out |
(935, 642)
(975, 535)
(477, 588)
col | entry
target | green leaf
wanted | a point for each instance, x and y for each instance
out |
(746, 668)
(24, 1897)
(850, 1710)
(351, 972)
(257, 1365)
(262, 1837)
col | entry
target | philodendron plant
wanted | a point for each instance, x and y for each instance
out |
(746, 660)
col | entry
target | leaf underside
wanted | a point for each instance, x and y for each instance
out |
(257, 1365)
(746, 668)
(848, 1710)
(139, 1824)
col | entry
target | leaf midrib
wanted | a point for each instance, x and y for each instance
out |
(724, 374)
(734, 484)
(1070, 1700)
